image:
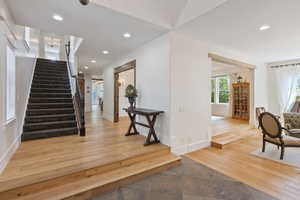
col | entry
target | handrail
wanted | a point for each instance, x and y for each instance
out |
(78, 97)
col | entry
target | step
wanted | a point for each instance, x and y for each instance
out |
(51, 71)
(94, 180)
(37, 78)
(50, 100)
(49, 90)
(39, 81)
(47, 61)
(51, 95)
(49, 105)
(51, 68)
(222, 140)
(57, 74)
(48, 125)
(58, 86)
(43, 134)
(51, 111)
(50, 118)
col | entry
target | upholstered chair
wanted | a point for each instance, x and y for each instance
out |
(292, 123)
(273, 133)
(259, 110)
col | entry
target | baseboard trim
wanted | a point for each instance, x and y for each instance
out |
(9, 153)
(184, 149)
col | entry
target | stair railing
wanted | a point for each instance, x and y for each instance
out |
(78, 97)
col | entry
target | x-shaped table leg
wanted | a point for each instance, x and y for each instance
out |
(132, 125)
(151, 132)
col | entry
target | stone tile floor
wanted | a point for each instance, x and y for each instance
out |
(188, 181)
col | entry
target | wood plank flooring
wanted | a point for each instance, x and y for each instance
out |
(226, 131)
(277, 179)
(73, 158)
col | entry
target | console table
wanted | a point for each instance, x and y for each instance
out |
(150, 115)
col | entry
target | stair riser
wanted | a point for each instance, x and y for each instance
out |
(48, 112)
(49, 119)
(50, 95)
(52, 126)
(52, 69)
(47, 100)
(51, 106)
(38, 74)
(50, 78)
(50, 82)
(54, 90)
(27, 137)
(55, 63)
(57, 86)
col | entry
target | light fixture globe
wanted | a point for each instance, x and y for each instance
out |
(84, 2)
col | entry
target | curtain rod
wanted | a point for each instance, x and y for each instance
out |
(285, 65)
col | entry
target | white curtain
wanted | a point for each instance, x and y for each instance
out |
(286, 79)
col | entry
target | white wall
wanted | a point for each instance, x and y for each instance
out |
(126, 78)
(190, 95)
(10, 133)
(152, 82)
(220, 110)
(173, 74)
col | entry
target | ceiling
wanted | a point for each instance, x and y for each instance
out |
(231, 24)
(100, 28)
(235, 25)
(102, 23)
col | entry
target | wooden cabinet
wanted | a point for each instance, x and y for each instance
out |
(240, 101)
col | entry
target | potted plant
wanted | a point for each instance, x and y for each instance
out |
(239, 79)
(131, 94)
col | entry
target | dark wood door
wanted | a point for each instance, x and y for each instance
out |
(116, 103)
(82, 86)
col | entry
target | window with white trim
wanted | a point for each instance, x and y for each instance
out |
(220, 90)
(10, 84)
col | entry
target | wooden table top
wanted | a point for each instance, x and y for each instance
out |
(143, 111)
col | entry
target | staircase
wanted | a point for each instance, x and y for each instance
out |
(50, 111)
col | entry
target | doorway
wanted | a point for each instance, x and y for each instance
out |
(232, 96)
(123, 76)
(97, 94)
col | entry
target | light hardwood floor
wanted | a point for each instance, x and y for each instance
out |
(105, 145)
(226, 131)
(277, 179)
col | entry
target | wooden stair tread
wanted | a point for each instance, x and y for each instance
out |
(221, 140)
(54, 189)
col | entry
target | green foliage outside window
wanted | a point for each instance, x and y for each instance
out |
(220, 90)
(213, 90)
(223, 90)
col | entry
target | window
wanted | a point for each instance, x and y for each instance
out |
(10, 84)
(220, 90)
(213, 90)
(298, 90)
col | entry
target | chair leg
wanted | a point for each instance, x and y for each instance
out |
(264, 146)
(282, 152)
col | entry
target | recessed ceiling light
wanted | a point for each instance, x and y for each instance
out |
(126, 35)
(264, 27)
(86, 67)
(93, 61)
(105, 52)
(57, 17)
(80, 72)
